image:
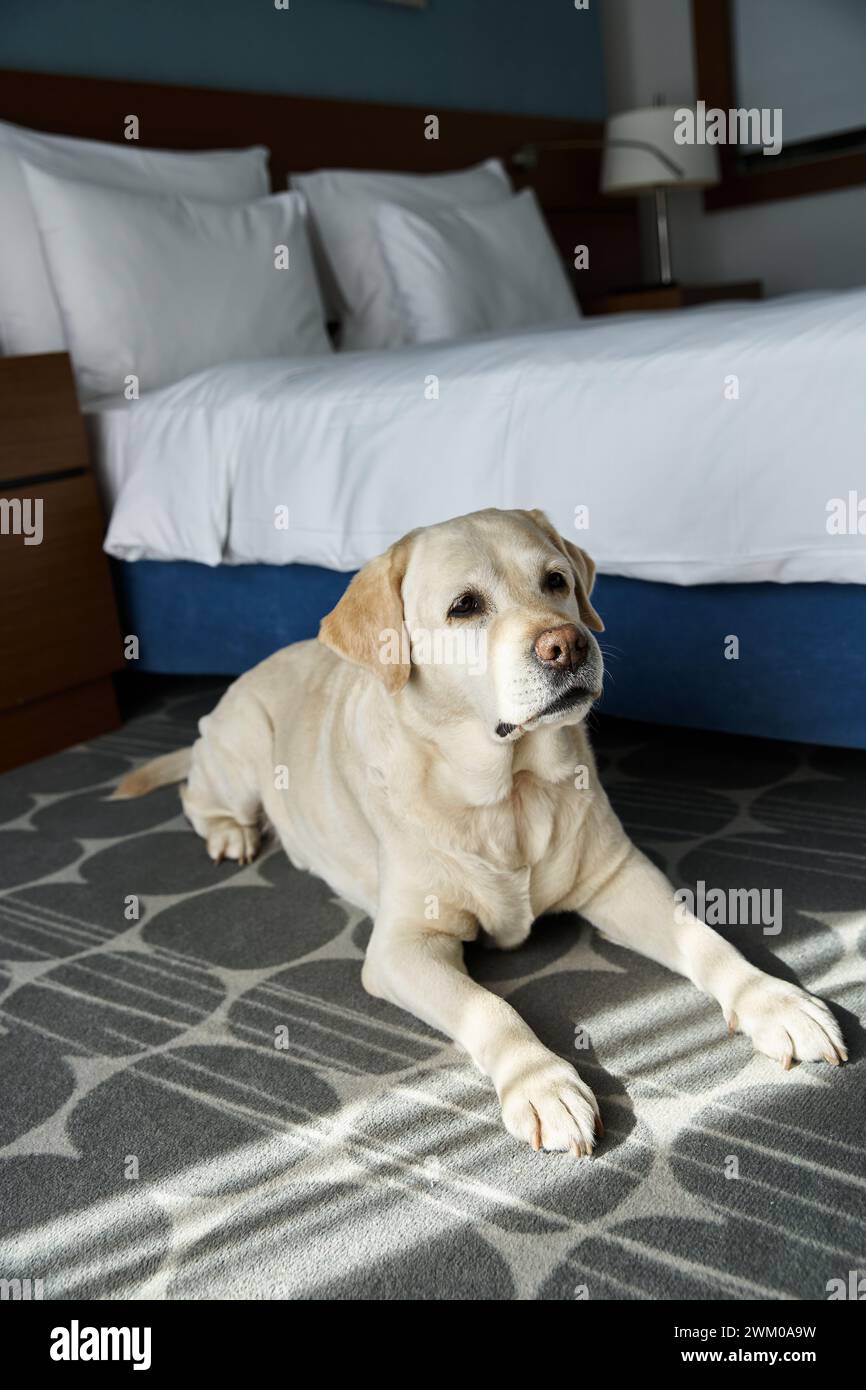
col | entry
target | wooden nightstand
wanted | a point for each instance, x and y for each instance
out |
(671, 297)
(59, 635)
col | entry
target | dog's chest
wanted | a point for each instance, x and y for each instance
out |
(528, 845)
(521, 830)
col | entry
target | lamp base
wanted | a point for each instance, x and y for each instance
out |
(664, 240)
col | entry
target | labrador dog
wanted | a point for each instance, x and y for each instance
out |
(427, 758)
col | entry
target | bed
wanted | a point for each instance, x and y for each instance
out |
(720, 533)
(697, 456)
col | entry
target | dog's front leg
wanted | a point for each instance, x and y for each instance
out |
(419, 966)
(632, 904)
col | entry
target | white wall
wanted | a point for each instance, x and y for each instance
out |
(793, 244)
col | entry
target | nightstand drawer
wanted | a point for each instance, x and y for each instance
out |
(58, 626)
(654, 297)
(42, 431)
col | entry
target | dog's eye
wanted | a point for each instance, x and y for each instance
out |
(465, 605)
(555, 580)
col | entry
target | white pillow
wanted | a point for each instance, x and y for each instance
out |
(162, 286)
(29, 314)
(344, 203)
(477, 270)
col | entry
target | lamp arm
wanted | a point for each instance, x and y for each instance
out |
(527, 156)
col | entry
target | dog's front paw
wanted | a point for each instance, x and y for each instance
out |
(787, 1023)
(227, 839)
(545, 1104)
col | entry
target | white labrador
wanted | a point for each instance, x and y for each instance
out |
(431, 741)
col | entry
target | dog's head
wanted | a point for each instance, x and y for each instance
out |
(490, 616)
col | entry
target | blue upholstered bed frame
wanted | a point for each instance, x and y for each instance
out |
(801, 671)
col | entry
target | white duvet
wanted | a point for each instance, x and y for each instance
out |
(712, 445)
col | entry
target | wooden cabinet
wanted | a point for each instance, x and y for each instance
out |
(59, 635)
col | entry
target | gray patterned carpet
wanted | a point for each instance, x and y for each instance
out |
(202, 1101)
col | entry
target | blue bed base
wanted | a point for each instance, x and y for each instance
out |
(801, 672)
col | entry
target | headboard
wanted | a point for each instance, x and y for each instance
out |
(312, 132)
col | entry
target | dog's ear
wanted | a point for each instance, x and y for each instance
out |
(582, 564)
(366, 627)
(584, 569)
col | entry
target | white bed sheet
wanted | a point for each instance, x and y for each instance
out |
(627, 417)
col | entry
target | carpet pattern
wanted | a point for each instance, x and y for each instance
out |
(197, 1098)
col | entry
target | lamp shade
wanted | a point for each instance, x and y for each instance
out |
(649, 156)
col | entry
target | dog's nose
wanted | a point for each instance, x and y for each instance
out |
(561, 647)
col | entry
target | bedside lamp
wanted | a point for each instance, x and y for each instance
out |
(641, 156)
